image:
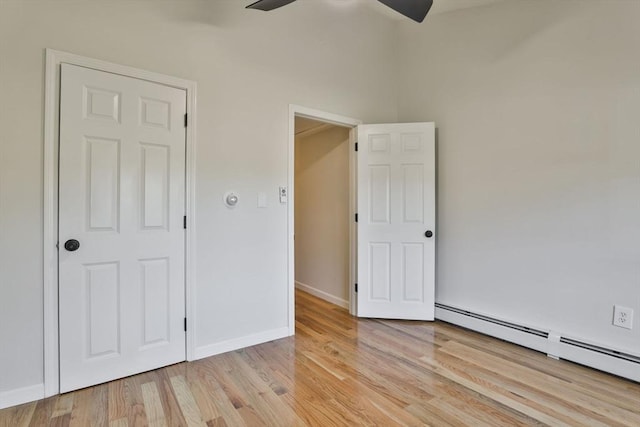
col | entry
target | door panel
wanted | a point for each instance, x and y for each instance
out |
(379, 186)
(102, 290)
(155, 287)
(413, 194)
(103, 169)
(122, 180)
(380, 256)
(396, 204)
(154, 201)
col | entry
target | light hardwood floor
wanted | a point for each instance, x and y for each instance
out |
(341, 371)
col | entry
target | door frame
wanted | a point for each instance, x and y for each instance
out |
(335, 119)
(53, 59)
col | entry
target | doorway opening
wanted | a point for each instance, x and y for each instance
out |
(322, 239)
(392, 248)
(321, 210)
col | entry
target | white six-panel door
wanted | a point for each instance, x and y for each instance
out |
(396, 213)
(121, 196)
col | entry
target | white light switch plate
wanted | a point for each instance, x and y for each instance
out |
(283, 194)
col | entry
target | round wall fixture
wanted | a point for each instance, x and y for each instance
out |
(230, 199)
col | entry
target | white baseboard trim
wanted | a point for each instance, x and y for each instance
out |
(553, 343)
(322, 295)
(242, 342)
(21, 395)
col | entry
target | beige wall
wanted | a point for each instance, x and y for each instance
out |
(249, 66)
(322, 213)
(537, 105)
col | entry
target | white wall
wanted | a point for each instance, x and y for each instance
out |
(537, 105)
(322, 213)
(249, 66)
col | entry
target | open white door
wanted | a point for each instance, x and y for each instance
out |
(122, 242)
(396, 221)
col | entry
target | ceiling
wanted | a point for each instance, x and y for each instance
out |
(442, 6)
(303, 124)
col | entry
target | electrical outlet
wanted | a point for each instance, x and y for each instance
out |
(622, 316)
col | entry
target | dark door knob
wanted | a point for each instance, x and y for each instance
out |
(71, 245)
(428, 233)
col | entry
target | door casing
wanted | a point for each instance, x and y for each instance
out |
(310, 113)
(50, 203)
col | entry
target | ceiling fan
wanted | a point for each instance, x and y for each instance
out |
(414, 9)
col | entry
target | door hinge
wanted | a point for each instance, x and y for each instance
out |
(186, 120)
(356, 286)
(185, 324)
(184, 222)
(356, 217)
(356, 146)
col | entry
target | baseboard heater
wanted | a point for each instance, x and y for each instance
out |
(550, 342)
(602, 350)
(495, 321)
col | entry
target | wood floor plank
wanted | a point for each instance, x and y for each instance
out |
(264, 369)
(187, 402)
(81, 412)
(567, 391)
(120, 422)
(218, 422)
(487, 389)
(557, 405)
(61, 421)
(99, 410)
(19, 415)
(260, 396)
(481, 406)
(170, 406)
(210, 396)
(64, 405)
(343, 371)
(43, 412)
(153, 405)
(136, 415)
(206, 404)
(431, 416)
(117, 399)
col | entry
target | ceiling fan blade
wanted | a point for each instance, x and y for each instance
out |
(267, 5)
(414, 9)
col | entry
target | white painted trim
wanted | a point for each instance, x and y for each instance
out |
(190, 212)
(550, 346)
(242, 342)
(50, 226)
(335, 119)
(353, 229)
(323, 116)
(50, 280)
(291, 265)
(322, 295)
(21, 395)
